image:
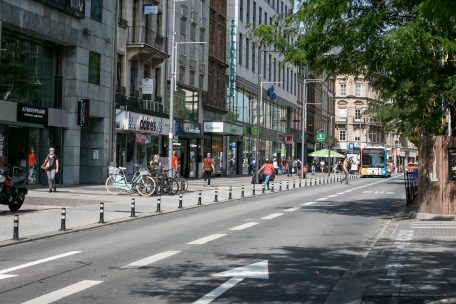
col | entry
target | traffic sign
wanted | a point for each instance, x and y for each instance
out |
(321, 136)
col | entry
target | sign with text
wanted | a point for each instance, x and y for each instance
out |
(31, 114)
(150, 9)
(83, 111)
(148, 86)
(132, 121)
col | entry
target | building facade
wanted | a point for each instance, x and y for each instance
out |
(56, 86)
(356, 129)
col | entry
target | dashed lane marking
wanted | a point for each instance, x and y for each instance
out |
(332, 195)
(271, 216)
(151, 259)
(244, 226)
(64, 292)
(206, 239)
(308, 203)
(322, 199)
(291, 209)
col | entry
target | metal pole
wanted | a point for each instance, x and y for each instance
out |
(303, 134)
(260, 99)
(172, 86)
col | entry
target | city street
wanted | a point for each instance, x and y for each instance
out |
(312, 245)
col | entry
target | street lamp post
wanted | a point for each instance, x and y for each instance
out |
(304, 122)
(173, 87)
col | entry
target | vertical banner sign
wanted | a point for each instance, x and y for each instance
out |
(83, 111)
(232, 79)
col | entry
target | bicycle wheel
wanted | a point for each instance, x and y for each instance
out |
(172, 185)
(110, 187)
(146, 186)
(183, 184)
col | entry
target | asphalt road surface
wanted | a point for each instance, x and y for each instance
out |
(289, 247)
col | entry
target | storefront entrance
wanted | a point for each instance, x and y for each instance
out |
(189, 157)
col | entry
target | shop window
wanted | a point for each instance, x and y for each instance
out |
(94, 67)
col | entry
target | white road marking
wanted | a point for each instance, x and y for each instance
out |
(389, 192)
(291, 209)
(333, 195)
(151, 259)
(214, 294)
(244, 226)
(322, 199)
(271, 216)
(308, 203)
(340, 193)
(206, 239)
(64, 292)
(55, 257)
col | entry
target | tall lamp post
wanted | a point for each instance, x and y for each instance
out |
(258, 127)
(304, 122)
(173, 87)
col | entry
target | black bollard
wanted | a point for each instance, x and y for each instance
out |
(288, 185)
(280, 186)
(294, 184)
(230, 195)
(272, 187)
(133, 207)
(300, 183)
(199, 197)
(253, 189)
(158, 204)
(101, 221)
(262, 189)
(63, 220)
(180, 201)
(16, 227)
(216, 195)
(242, 191)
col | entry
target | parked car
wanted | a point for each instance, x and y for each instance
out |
(411, 167)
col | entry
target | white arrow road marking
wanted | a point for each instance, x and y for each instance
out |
(291, 209)
(64, 292)
(151, 259)
(322, 199)
(271, 216)
(308, 203)
(244, 226)
(206, 239)
(55, 257)
(253, 271)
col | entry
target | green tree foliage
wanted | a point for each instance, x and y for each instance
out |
(405, 48)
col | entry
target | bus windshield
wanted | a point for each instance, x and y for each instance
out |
(373, 158)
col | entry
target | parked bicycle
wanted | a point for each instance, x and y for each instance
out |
(141, 182)
(182, 182)
(165, 184)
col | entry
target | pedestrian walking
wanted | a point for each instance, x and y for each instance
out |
(289, 166)
(208, 168)
(276, 166)
(298, 166)
(314, 166)
(174, 166)
(268, 170)
(345, 168)
(31, 166)
(51, 166)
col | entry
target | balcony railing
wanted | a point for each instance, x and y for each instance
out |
(142, 35)
(71, 7)
(133, 103)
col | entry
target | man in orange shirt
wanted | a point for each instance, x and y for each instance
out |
(208, 168)
(31, 166)
(174, 162)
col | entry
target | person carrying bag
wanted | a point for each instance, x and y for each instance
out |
(208, 168)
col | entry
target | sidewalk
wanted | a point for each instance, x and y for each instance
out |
(41, 212)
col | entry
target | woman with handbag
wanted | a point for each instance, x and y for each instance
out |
(51, 166)
(208, 168)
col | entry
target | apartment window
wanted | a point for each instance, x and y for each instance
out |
(374, 137)
(286, 9)
(254, 13)
(357, 114)
(283, 74)
(146, 72)
(96, 11)
(265, 18)
(253, 58)
(270, 67)
(241, 10)
(358, 89)
(264, 65)
(247, 19)
(275, 68)
(357, 135)
(240, 49)
(280, 76)
(343, 89)
(260, 15)
(247, 53)
(277, 6)
(281, 7)
(343, 114)
(342, 135)
(94, 67)
(133, 69)
(203, 8)
(119, 71)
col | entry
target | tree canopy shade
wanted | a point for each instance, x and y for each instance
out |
(405, 48)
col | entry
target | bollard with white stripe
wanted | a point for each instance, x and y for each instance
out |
(300, 183)
(63, 220)
(133, 207)
(294, 184)
(263, 189)
(216, 195)
(242, 191)
(180, 201)
(280, 186)
(272, 187)
(159, 200)
(253, 189)
(16, 227)
(288, 185)
(200, 194)
(101, 221)
(230, 192)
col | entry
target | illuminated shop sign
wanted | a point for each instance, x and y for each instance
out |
(131, 121)
(31, 114)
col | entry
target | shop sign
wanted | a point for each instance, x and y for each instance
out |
(150, 9)
(31, 114)
(222, 127)
(132, 121)
(192, 127)
(290, 139)
(83, 111)
(281, 137)
(232, 65)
